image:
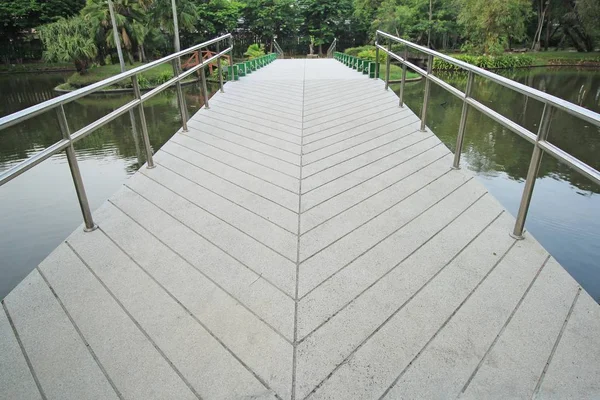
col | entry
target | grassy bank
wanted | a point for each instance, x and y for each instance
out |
(148, 79)
(520, 60)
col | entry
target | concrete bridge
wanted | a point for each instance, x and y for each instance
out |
(303, 239)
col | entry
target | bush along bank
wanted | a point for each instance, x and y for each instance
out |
(487, 62)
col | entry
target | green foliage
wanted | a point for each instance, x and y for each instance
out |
(490, 24)
(370, 54)
(487, 62)
(353, 51)
(254, 51)
(69, 40)
(324, 18)
(266, 19)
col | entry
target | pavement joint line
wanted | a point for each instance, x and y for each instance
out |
(508, 320)
(212, 243)
(219, 218)
(393, 314)
(367, 120)
(370, 150)
(245, 137)
(237, 103)
(376, 216)
(174, 138)
(205, 275)
(380, 191)
(251, 112)
(296, 300)
(447, 320)
(265, 95)
(252, 124)
(264, 101)
(540, 381)
(360, 134)
(401, 135)
(375, 107)
(24, 352)
(353, 105)
(180, 304)
(241, 170)
(377, 160)
(226, 180)
(334, 94)
(224, 197)
(231, 121)
(392, 233)
(259, 124)
(81, 335)
(395, 129)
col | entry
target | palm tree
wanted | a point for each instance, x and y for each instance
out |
(69, 40)
(129, 13)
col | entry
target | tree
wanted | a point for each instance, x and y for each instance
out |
(69, 40)
(324, 18)
(216, 17)
(266, 19)
(490, 25)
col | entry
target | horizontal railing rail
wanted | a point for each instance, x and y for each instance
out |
(539, 139)
(69, 138)
(332, 48)
(278, 49)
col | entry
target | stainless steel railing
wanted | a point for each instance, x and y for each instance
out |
(69, 138)
(539, 139)
(278, 49)
(332, 48)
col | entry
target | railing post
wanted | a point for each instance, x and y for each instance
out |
(219, 71)
(376, 59)
(204, 88)
(403, 81)
(387, 65)
(532, 173)
(180, 99)
(76, 173)
(145, 136)
(463, 122)
(426, 95)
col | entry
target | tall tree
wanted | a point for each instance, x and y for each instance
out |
(266, 19)
(323, 19)
(69, 40)
(490, 25)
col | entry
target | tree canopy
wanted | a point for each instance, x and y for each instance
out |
(145, 27)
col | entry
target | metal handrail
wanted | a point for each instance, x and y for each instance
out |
(278, 49)
(69, 138)
(332, 48)
(539, 139)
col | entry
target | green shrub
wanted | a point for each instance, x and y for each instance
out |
(487, 61)
(162, 77)
(143, 82)
(370, 55)
(353, 51)
(255, 51)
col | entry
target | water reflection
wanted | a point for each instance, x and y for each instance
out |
(39, 208)
(565, 209)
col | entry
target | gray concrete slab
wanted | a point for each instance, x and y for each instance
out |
(303, 240)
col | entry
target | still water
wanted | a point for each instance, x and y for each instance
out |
(39, 209)
(565, 210)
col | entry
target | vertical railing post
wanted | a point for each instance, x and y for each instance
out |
(219, 71)
(387, 65)
(145, 136)
(403, 81)
(177, 67)
(376, 58)
(180, 99)
(204, 88)
(426, 94)
(532, 173)
(463, 122)
(76, 173)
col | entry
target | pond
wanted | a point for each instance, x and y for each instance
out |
(39, 208)
(564, 215)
